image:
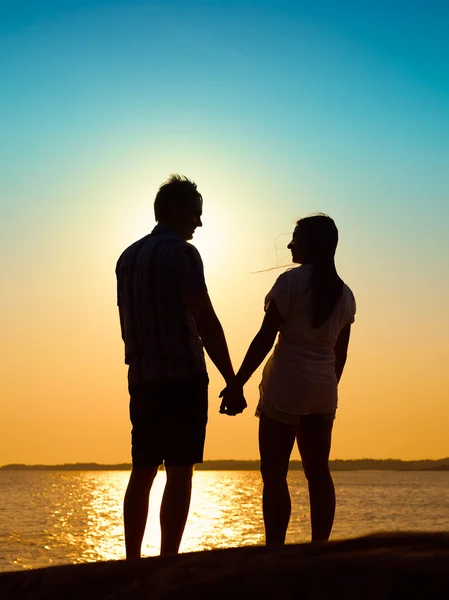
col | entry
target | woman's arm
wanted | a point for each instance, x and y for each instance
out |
(341, 350)
(261, 344)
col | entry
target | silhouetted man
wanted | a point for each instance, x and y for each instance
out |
(166, 317)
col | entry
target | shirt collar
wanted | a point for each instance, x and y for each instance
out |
(164, 230)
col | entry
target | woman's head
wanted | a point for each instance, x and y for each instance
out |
(315, 240)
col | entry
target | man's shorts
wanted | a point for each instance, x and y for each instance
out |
(169, 418)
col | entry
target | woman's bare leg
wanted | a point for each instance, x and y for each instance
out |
(314, 436)
(276, 441)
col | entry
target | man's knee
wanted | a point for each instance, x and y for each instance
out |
(179, 474)
(143, 476)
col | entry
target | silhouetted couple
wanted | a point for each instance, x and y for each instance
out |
(167, 318)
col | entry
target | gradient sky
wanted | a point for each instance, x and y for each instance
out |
(277, 109)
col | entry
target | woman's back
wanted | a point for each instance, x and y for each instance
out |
(299, 377)
(311, 309)
(293, 297)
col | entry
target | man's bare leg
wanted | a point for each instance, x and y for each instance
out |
(175, 507)
(135, 508)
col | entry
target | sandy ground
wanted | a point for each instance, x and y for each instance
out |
(388, 566)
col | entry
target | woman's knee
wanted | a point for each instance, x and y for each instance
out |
(273, 474)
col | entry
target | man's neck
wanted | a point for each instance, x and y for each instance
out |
(163, 227)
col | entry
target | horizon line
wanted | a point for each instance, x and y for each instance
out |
(124, 465)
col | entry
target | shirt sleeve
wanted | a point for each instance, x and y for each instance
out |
(352, 307)
(117, 269)
(189, 270)
(280, 295)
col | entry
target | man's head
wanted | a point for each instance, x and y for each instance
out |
(179, 205)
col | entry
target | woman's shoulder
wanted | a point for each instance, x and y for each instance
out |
(349, 299)
(295, 279)
(300, 273)
(348, 292)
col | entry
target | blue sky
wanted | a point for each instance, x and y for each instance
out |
(345, 103)
(333, 84)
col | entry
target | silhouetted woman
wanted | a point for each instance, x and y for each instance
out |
(312, 309)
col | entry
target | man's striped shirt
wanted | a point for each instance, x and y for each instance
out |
(153, 277)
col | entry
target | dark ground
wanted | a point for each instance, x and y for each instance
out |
(384, 566)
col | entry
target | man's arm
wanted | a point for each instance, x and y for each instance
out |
(120, 314)
(233, 399)
(261, 344)
(122, 322)
(211, 332)
(341, 350)
(188, 271)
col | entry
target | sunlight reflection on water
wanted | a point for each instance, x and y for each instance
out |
(69, 517)
(77, 516)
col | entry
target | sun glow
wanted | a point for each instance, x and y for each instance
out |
(213, 240)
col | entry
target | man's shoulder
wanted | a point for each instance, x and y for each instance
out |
(170, 250)
(131, 250)
(178, 248)
(193, 250)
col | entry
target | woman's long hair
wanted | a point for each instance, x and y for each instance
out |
(318, 236)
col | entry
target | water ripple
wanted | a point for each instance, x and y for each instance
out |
(49, 518)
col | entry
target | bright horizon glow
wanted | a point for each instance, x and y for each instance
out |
(276, 110)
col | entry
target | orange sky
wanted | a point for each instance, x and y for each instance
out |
(63, 378)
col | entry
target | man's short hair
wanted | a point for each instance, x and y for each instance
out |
(178, 190)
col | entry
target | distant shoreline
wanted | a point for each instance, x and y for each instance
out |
(367, 464)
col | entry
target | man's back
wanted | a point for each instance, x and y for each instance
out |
(163, 304)
(153, 277)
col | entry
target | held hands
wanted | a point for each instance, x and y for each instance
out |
(233, 402)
